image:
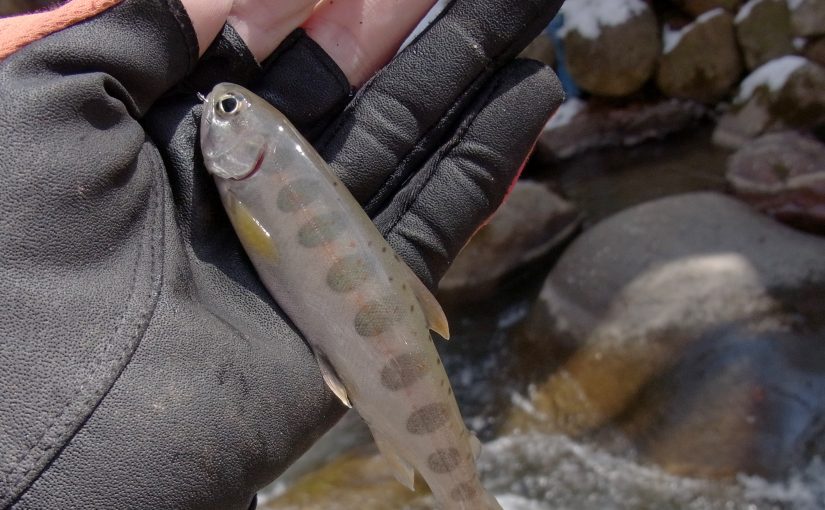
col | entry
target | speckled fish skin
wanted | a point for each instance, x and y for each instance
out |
(363, 311)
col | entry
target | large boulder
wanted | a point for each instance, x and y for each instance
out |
(763, 28)
(807, 17)
(531, 224)
(687, 69)
(788, 92)
(699, 7)
(611, 46)
(690, 320)
(783, 174)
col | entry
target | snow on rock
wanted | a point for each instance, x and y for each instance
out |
(672, 37)
(588, 16)
(566, 112)
(745, 11)
(774, 74)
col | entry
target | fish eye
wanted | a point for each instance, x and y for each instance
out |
(228, 104)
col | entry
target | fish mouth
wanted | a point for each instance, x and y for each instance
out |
(259, 161)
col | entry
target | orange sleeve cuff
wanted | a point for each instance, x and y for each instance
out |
(18, 31)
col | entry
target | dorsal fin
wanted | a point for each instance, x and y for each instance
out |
(332, 379)
(401, 469)
(436, 320)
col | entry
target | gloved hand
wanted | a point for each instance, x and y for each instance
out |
(143, 365)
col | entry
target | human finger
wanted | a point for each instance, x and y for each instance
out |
(264, 24)
(363, 35)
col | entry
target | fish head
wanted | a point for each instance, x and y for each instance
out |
(234, 132)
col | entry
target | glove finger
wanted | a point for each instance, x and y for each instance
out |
(388, 130)
(304, 83)
(472, 172)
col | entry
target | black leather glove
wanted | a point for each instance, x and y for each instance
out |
(142, 364)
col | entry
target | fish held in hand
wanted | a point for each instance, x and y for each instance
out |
(365, 314)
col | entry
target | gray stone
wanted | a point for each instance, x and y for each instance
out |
(788, 92)
(807, 17)
(662, 319)
(531, 223)
(611, 46)
(783, 174)
(763, 28)
(688, 70)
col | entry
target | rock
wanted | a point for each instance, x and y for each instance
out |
(541, 49)
(787, 92)
(532, 222)
(699, 7)
(579, 126)
(763, 28)
(688, 70)
(815, 51)
(636, 312)
(807, 17)
(611, 46)
(783, 174)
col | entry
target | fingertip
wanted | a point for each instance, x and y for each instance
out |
(207, 17)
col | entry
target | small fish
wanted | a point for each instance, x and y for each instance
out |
(365, 314)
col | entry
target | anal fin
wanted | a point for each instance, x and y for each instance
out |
(401, 469)
(333, 381)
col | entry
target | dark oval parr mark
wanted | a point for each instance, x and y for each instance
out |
(404, 370)
(320, 230)
(444, 460)
(348, 273)
(428, 419)
(376, 317)
(463, 492)
(297, 194)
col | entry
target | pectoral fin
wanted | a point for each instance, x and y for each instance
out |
(436, 320)
(401, 469)
(332, 380)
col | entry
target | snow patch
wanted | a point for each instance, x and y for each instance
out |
(799, 43)
(671, 37)
(587, 17)
(566, 113)
(773, 74)
(745, 11)
(795, 4)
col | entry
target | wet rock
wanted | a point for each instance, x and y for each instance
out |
(788, 92)
(783, 174)
(532, 223)
(699, 7)
(737, 401)
(632, 315)
(579, 126)
(541, 49)
(688, 70)
(611, 46)
(763, 28)
(807, 17)
(815, 51)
